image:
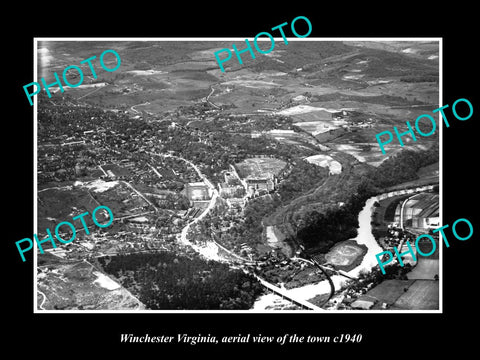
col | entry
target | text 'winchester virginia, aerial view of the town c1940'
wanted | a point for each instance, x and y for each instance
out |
(259, 188)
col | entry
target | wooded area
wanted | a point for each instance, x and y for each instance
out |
(322, 230)
(167, 281)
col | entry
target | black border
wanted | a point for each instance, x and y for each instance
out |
(382, 333)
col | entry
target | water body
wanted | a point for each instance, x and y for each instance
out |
(364, 236)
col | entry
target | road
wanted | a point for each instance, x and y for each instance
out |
(90, 93)
(132, 216)
(401, 210)
(68, 187)
(155, 171)
(211, 250)
(138, 112)
(285, 294)
(207, 99)
(200, 174)
(195, 167)
(130, 252)
(104, 172)
(43, 301)
(139, 194)
(211, 205)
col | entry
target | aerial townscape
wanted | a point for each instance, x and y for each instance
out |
(257, 188)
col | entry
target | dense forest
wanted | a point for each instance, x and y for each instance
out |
(403, 166)
(321, 230)
(303, 177)
(166, 281)
(317, 227)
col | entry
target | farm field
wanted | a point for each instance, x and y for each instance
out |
(404, 295)
(326, 161)
(421, 295)
(259, 167)
(425, 269)
(52, 209)
(298, 125)
(389, 291)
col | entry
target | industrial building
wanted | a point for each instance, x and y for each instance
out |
(420, 211)
(197, 191)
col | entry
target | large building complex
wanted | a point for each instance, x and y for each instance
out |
(420, 211)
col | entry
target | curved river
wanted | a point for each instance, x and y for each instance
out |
(364, 236)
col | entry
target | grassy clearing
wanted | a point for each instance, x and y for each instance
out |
(259, 167)
(425, 269)
(389, 291)
(55, 206)
(429, 171)
(421, 295)
(74, 286)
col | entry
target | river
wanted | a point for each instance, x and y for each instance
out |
(364, 236)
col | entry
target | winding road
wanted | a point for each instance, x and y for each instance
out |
(138, 112)
(207, 99)
(211, 250)
(43, 301)
(284, 294)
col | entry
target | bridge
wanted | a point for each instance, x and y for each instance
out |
(284, 294)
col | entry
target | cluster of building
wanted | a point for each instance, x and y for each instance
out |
(395, 236)
(232, 190)
(419, 212)
(416, 215)
(133, 235)
(261, 185)
(198, 193)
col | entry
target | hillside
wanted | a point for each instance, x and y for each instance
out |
(80, 286)
(277, 152)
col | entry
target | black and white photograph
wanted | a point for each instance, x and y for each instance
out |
(257, 187)
(218, 180)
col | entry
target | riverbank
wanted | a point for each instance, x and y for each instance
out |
(364, 237)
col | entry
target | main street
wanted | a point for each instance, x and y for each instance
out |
(210, 251)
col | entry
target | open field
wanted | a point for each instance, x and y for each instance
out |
(430, 171)
(346, 255)
(57, 205)
(326, 161)
(426, 269)
(426, 246)
(117, 170)
(404, 295)
(421, 295)
(319, 101)
(259, 167)
(321, 68)
(81, 286)
(389, 291)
